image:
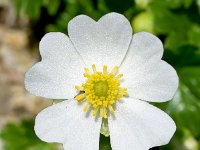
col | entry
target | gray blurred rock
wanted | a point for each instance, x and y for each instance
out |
(15, 59)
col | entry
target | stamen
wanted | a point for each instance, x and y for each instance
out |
(111, 109)
(88, 71)
(79, 88)
(105, 113)
(86, 75)
(86, 108)
(80, 97)
(95, 112)
(125, 94)
(102, 113)
(122, 89)
(102, 90)
(94, 68)
(114, 71)
(105, 71)
(119, 76)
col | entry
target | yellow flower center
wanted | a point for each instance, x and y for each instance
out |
(101, 90)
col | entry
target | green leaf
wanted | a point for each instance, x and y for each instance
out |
(194, 35)
(166, 21)
(190, 76)
(22, 137)
(185, 109)
(32, 9)
(117, 5)
(144, 22)
(52, 7)
(184, 56)
(142, 3)
(187, 105)
(198, 4)
(176, 39)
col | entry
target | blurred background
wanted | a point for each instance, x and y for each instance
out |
(24, 22)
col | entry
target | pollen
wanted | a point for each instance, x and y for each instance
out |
(101, 90)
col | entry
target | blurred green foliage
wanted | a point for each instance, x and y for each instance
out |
(22, 137)
(175, 22)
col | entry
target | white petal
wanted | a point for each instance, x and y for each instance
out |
(138, 125)
(59, 71)
(146, 76)
(66, 123)
(102, 43)
(143, 48)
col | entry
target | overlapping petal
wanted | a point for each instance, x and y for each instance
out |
(66, 123)
(102, 43)
(146, 76)
(59, 71)
(138, 125)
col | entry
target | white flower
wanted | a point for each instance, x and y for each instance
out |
(133, 122)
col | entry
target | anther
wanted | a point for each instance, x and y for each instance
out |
(79, 88)
(86, 75)
(80, 97)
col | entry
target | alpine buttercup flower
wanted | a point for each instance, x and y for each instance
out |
(103, 72)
